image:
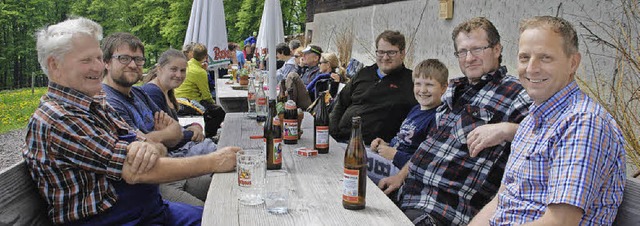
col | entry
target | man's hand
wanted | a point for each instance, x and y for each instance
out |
(392, 183)
(142, 156)
(387, 152)
(490, 135)
(161, 120)
(224, 159)
(375, 144)
(198, 135)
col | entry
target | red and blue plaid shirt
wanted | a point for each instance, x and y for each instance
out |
(444, 181)
(568, 150)
(73, 151)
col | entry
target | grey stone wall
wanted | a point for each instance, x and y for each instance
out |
(419, 21)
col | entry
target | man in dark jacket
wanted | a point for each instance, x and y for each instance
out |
(381, 94)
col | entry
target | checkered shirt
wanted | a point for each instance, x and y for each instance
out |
(568, 150)
(73, 151)
(444, 181)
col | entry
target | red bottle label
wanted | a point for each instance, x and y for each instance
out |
(277, 151)
(350, 186)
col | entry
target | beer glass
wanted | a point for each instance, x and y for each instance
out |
(250, 170)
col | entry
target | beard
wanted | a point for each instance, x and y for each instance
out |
(124, 82)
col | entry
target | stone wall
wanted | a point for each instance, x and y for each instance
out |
(430, 37)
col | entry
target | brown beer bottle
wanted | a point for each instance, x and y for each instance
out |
(290, 124)
(354, 187)
(321, 127)
(272, 138)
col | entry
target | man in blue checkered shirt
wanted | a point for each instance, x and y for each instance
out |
(568, 160)
(457, 169)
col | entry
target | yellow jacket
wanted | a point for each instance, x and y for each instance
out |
(196, 84)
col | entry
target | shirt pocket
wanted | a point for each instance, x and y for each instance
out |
(470, 118)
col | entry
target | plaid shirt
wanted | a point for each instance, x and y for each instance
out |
(73, 152)
(568, 150)
(444, 181)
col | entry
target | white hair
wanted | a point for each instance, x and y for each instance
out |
(56, 40)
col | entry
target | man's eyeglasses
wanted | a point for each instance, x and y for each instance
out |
(475, 51)
(126, 59)
(390, 53)
(296, 56)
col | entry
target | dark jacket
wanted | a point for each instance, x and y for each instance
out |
(381, 103)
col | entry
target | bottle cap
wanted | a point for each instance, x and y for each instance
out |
(291, 105)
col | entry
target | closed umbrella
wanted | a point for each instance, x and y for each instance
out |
(207, 26)
(271, 32)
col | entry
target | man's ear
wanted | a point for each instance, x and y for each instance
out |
(53, 66)
(575, 62)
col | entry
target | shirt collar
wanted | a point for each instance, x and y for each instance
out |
(552, 107)
(75, 97)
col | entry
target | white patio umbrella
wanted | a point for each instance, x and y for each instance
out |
(271, 32)
(207, 26)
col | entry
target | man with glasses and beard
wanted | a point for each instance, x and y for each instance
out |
(448, 179)
(382, 94)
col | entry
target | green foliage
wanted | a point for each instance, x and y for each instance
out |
(160, 24)
(17, 106)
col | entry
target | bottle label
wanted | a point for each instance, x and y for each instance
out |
(244, 176)
(350, 186)
(277, 151)
(262, 101)
(322, 136)
(290, 129)
(251, 96)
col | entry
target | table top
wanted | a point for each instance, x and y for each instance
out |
(225, 91)
(316, 196)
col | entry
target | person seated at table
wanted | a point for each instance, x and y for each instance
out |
(328, 64)
(159, 85)
(429, 83)
(382, 94)
(138, 110)
(90, 167)
(237, 55)
(567, 166)
(194, 96)
(284, 53)
(248, 52)
(297, 55)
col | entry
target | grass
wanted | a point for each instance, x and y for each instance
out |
(17, 106)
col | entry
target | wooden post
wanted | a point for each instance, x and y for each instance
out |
(33, 81)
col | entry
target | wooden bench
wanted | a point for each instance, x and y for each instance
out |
(21, 204)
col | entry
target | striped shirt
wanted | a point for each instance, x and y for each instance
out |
(568, 150)
(73, 152)
(444, 181)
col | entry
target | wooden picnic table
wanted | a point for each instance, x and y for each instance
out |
(231, 100)
(316, 184)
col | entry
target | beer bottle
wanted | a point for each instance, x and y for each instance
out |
(281, 99)
(290, 124)
(251, 99)
(321, 127)
(354, 186)
(261, 104)
(272, 138)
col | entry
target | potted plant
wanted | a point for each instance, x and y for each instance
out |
(244, 77)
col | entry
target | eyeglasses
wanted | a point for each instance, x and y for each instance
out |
(323, 62)
(475, 51)
(390, 53)
(126, 59)
(296, 56)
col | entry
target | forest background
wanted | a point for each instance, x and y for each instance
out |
(160, 24)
